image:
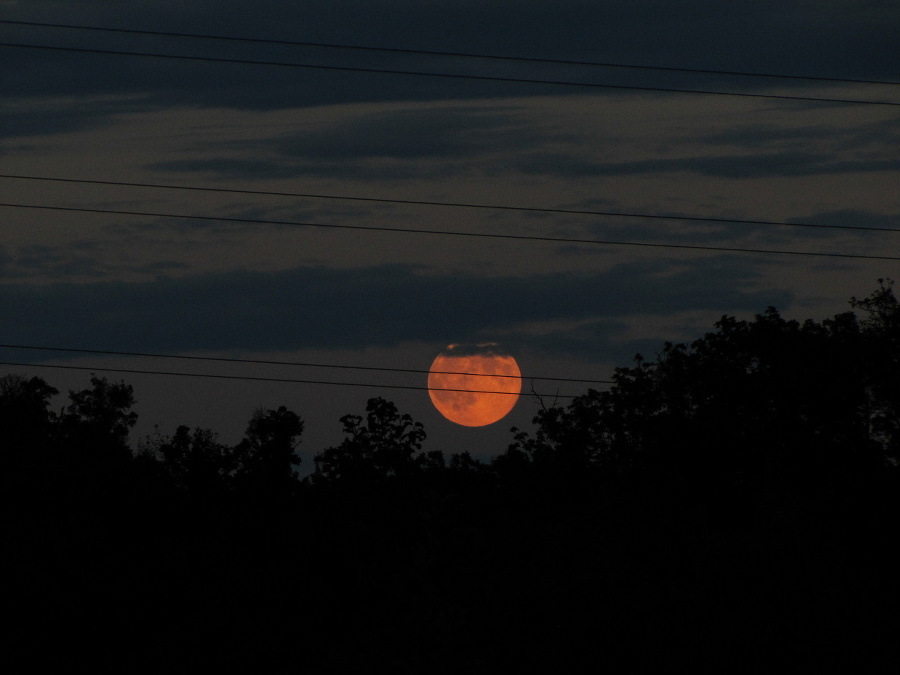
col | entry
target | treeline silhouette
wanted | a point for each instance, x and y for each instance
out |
(731, 503)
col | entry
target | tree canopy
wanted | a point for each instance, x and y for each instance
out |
(735, 495)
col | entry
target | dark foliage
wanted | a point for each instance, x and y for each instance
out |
(194, 461)
(382, 448)
(264, 461)
(729, 504)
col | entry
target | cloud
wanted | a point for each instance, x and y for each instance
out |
(82, 260)
(479, 349)
(37, 261)
(788, 136)
(403, 142)
(311, 307)
(38, 116)
(854, 217)
(410, 133)
(737, 234)
(737, 167)
(850, 39)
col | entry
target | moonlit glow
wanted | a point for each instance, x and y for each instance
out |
(474, 368)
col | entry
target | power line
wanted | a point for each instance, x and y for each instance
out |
(419, 202)
(250, 378)
(456, 76)
(472, 55)
(453, 233)
(293, 363)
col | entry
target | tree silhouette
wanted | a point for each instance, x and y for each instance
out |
(93, 429)
(25, 416)
(381, 448)
(265, 460)
(881, 330)
(195, 461)
(27, 428)
(734, 497)
(755, 402)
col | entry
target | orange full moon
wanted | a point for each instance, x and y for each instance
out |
(490, 377)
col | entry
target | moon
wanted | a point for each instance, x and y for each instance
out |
(474, 368)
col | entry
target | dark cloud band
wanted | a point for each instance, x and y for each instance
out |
(323, 308)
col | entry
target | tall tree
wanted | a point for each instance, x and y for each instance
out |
(266, 459)
(96, 423)
(26, 424)
(881, 330)
(196, 461)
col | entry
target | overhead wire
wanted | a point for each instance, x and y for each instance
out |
(222, 359)
(466, 205)
(456, 76)
(453, 233)
(417, 202)
(439, 53)
(284, 380)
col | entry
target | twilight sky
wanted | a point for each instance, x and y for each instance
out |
(385, 299)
